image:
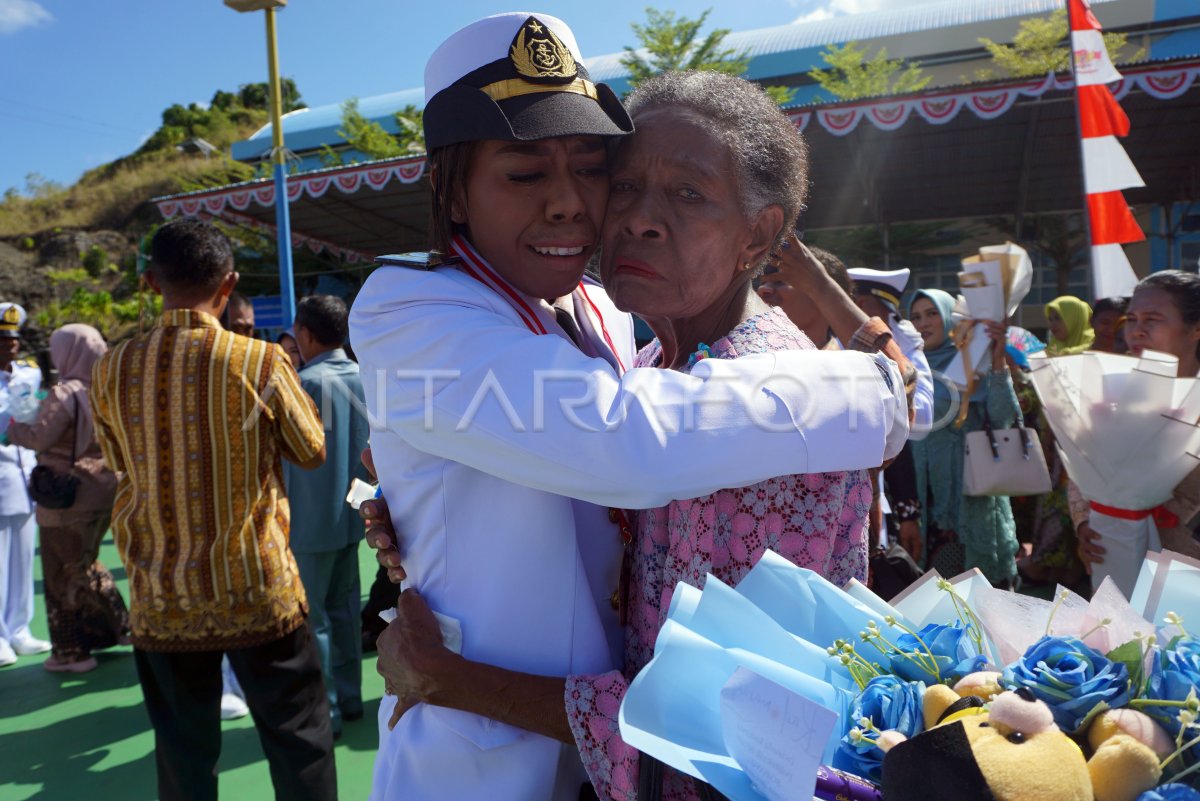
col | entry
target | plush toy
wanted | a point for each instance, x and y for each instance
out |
(1011, 750)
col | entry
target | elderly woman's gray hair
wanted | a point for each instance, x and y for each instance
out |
(769, 152)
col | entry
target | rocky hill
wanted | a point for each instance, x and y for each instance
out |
(69, 254)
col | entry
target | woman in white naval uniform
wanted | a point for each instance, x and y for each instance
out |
(489, 420)
(18, 531)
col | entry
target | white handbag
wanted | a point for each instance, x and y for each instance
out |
(1005, 461)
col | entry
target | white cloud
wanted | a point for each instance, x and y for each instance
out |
(18, 14)
(827, 9)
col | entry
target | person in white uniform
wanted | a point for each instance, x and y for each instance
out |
(504, 421)
(878, 293)
(18, 531)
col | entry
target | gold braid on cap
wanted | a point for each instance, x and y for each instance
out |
(515, 87)
(885, 295)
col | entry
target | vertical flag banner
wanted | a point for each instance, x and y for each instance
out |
(1106, 167)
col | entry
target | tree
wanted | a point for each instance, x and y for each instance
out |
(1041, 47)
(37, 186)
(1062, 240)
(670, 42)
(851, 75)
(258, 95)
(372, 140)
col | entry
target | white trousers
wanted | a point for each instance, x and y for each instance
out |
(1125, 543)
(17, 536)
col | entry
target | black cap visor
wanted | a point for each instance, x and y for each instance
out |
(465, 114)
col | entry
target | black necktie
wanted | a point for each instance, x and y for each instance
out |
(567, 322)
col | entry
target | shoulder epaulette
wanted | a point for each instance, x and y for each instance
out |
(417, 260)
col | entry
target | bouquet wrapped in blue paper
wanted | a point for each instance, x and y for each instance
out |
(759, 689)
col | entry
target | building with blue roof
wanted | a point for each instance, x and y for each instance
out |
(942, 36)
(962, 155)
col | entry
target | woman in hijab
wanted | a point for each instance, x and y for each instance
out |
(1070, 321)
(287, 341)
(84, 609)
(1052, 557)
(981, 529)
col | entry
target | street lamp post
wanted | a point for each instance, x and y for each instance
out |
(283, 225)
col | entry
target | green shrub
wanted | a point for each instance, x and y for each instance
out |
(95, 260)
(75, 275)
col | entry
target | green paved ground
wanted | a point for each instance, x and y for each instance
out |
(65, 737)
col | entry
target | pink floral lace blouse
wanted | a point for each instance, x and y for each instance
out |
(817, 520)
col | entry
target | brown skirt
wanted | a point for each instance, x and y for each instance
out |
(84, 610)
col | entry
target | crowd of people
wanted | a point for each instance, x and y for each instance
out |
(543, 483)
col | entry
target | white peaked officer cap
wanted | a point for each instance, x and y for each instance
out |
(12, 320)
(515, 77)
(887, 285)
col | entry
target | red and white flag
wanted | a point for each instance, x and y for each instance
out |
(1106, 166)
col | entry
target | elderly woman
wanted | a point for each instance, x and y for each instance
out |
(84, 608)
(973, 531)
(700, 196)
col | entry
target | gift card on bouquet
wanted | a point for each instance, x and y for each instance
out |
(776, 736)
(985, 302)
(976, 356)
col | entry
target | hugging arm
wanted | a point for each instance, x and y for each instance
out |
(458, 380)
(418, 668)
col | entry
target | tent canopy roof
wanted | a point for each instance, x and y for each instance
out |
(998, 149)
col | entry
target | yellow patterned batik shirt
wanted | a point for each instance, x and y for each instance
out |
(197, 420)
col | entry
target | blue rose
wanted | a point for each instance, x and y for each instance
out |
(890, 704)
(954, 654)
(1171, 792)
(1073, 679)
(1174, 672)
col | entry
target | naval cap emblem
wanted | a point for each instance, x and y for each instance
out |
(537, 54)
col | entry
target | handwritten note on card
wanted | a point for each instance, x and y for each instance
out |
(776, 736)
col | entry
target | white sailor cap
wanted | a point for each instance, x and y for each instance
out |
(887, 285)
(12, 320)
(515, 76)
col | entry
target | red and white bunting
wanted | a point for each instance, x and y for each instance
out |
(991, 102)
(1101, 116)
(1106, 166)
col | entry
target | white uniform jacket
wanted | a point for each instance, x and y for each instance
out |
(483, 432)
(913, 347)
(16, 463)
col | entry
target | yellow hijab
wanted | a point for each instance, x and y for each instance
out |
(1077, 316)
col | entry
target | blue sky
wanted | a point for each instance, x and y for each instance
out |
(87, 80)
